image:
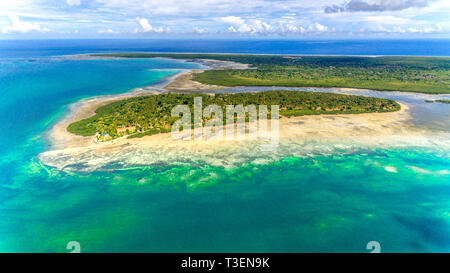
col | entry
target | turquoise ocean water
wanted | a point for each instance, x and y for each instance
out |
(318, 203)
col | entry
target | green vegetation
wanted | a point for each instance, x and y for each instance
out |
(148, 115)
(413, 74)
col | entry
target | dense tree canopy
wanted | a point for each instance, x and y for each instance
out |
(149, 115)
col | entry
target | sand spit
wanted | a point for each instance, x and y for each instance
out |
(184, 83)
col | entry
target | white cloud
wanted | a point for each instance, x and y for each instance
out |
(214, 17)
(413, 30)
(253, 26)
(375, 5)
(143, 22)
(73, 2)
(199, 30)
(246, 26)
(146, 27)
(107, 31)
(318, 27)
(437, 28)
(231, 29)
(234, 20)
(197, 7)
(22, 27)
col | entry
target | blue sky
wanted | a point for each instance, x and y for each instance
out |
(224, 18)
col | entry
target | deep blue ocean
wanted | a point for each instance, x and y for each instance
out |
(45, 48)
(315, 203)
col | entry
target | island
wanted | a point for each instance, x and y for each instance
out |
(148, 115)
(387, 73)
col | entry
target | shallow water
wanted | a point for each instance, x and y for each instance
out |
(322, 203)
(329, 202)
